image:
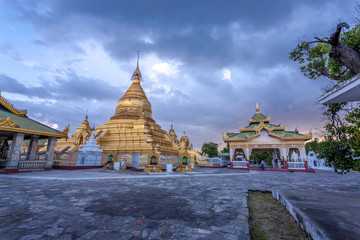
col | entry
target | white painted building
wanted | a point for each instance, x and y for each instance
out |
(347, 91)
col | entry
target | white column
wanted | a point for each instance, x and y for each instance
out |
(247, 154)
(50, 152)
(231, 155)
(304, 154)
(33, 147)
(284, 154)
(15, 151)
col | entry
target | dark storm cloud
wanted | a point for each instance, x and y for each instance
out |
(253, 37)
(70, 88)
(195, 32)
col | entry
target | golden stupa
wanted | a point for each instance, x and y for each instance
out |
(79, 137)
(132, 130)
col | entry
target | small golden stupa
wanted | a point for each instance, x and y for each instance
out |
(79, 137)
(132, 130)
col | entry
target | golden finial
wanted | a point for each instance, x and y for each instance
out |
(137, 73)
(257, 108)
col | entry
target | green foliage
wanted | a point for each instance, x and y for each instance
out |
(210, 148)
(315, 61)
(261, 156)
(313, 145)
(341, 146)
(225, 150)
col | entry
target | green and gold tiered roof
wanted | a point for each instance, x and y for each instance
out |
(15, 120)
(260, 122)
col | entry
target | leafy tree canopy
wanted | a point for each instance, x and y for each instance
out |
(261, 156)
(210, 148)
(225, 150)
(336, 57)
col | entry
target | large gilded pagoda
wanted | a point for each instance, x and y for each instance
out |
(132, 134)
(261, 135)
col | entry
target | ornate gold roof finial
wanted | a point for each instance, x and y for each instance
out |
(257, 108)
(137, 73)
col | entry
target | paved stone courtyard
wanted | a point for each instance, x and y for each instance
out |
(207, 204)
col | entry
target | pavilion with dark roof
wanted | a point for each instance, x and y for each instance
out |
(15, 127)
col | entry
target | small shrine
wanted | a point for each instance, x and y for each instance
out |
(184, 155)
(261, 135)
(90, 153)
(81, 135)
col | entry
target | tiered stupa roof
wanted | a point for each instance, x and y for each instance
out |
(134, 101)
(132, 128)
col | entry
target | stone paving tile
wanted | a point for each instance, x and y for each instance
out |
(208, 204)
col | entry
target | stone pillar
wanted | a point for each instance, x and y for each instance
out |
(284, 154)
(33, 146)
(231, 155)
(247, 154)
(15, 151)
(304, 154)
(50, 152)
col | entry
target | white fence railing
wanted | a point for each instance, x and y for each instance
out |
(240, 164)
(296, 165)
(31, 165)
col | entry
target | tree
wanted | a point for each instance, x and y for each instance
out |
(261, 156)
(210, 148)
(337, 58)
(313, 145)
(225, 150)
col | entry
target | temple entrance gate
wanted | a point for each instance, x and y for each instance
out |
(287, 148)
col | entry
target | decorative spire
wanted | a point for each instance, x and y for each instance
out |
(137, 73)
(257, 109)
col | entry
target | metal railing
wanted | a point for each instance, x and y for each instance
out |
(31, 165)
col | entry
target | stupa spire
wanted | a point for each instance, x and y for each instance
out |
(137, 73)
(257, 108)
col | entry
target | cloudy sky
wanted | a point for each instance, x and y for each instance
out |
(204, 63)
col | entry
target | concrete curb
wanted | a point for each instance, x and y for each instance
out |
(304, 222)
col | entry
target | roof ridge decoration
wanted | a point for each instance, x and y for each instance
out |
(7, 122)
(260, 122)
(9, 106)
(65, 132)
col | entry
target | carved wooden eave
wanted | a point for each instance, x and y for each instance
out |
(10, 107)
(62, 134)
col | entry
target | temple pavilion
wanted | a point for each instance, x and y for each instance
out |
(261, 135)
(132, 135)
(15, 127)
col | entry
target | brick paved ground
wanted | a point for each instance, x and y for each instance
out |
(208, 204)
